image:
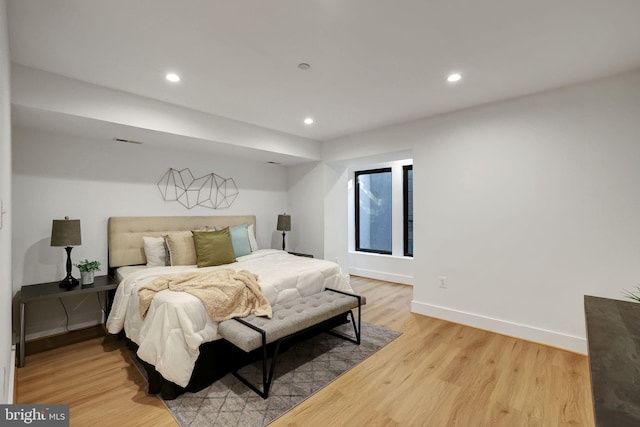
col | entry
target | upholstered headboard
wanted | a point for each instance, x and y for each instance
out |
(126, 246)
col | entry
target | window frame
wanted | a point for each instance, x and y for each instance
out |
(357, 209)
(405, 209)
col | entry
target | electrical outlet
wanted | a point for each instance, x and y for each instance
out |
(443, 281)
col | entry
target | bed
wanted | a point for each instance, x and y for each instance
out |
(177, 340)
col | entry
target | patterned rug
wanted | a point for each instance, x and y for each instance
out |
(301, 371)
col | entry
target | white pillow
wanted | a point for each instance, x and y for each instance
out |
(155, 251)
(252, 238)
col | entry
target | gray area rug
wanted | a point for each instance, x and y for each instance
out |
(301, 371)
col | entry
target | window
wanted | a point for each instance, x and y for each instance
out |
(407, 186)
(373, 211)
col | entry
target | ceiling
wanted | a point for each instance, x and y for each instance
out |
(373, 62)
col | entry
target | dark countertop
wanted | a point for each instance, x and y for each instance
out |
(613, 336)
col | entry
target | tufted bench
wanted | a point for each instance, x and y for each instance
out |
(289, 320)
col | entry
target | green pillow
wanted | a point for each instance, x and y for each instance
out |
(213, 247)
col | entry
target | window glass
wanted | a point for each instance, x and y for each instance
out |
(408, 209)
(373, 211)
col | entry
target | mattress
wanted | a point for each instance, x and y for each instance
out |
(177, 323)
(123, 272)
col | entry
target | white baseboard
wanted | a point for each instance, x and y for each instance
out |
(381, 275)
(526, 332)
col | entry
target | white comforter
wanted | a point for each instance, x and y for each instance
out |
(177, 323)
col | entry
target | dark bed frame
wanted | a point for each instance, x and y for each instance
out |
(217, 358)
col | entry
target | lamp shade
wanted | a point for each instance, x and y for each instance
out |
(284, 223)
(66, 232)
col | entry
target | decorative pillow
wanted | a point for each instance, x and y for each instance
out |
(181, 248)
(155, 251)
(240, 239)
(252, 238)
(213, 247)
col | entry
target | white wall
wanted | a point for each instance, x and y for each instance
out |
(317, 202)
(306, 194)
(525, 206)
(317, 199)
(335, 215)
(6, 294)
(57, 175)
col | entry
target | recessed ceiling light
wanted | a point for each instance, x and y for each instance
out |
(172, 77)
(454, 77)
(304, 66)
(308, 121)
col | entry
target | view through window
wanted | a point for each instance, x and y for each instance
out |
(373, 211)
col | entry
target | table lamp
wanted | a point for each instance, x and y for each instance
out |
(66, 232)
(284, 225)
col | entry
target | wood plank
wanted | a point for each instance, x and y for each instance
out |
(442, 374)
(437, 373)
(97, 379)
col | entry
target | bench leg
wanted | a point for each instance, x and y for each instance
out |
(267, 379)
(356, 330)
(353, 322)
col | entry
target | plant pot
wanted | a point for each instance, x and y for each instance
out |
(86, 277)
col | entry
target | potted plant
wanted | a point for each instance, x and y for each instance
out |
(633, 295)
(87, 269)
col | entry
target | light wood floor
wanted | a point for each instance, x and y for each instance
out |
(435, 374)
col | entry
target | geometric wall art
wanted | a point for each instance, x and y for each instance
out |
(210, 191)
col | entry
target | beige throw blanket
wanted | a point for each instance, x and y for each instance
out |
(225, 293)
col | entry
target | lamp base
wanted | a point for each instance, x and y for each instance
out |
(69, 282)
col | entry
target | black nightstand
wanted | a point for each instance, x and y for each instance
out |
(301, 254)
(50, 290)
